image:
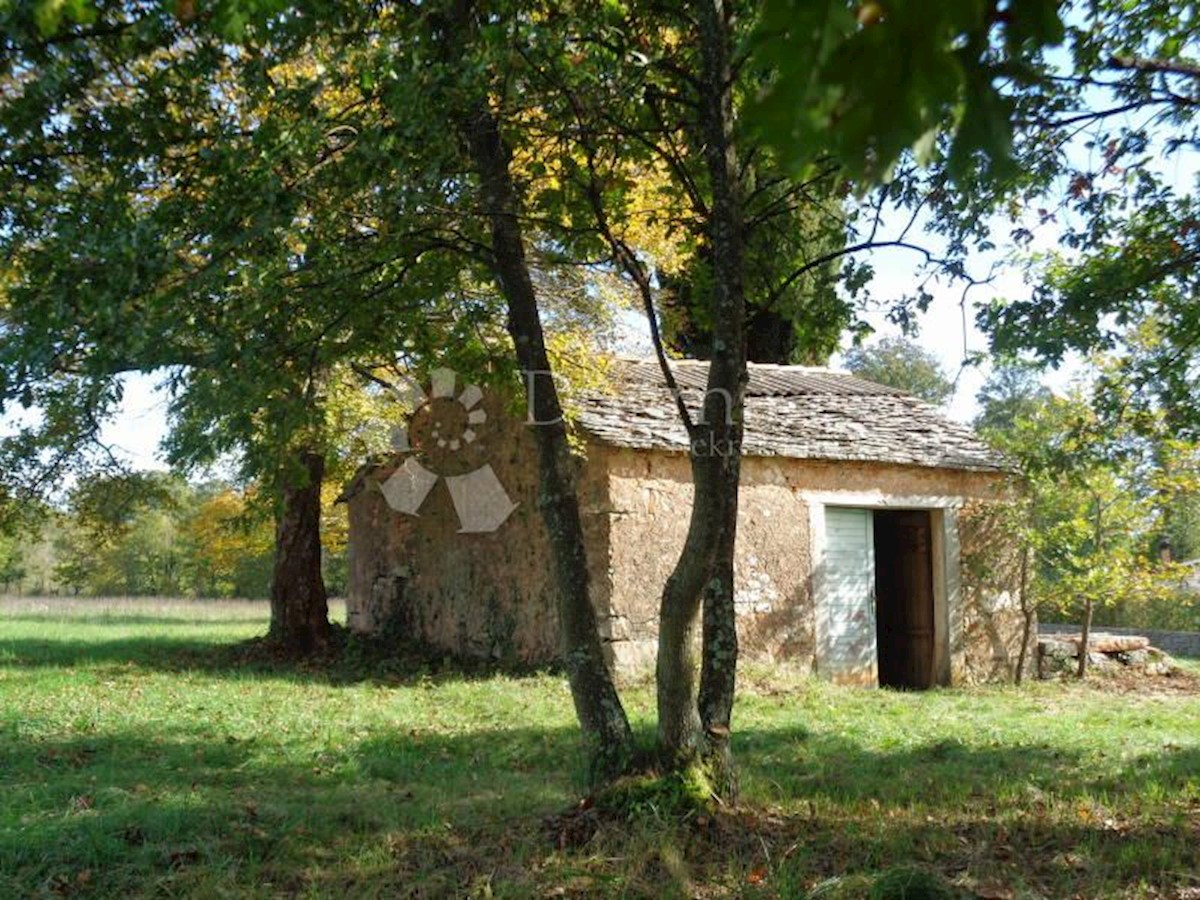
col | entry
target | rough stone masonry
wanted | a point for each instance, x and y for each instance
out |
(1058, 655)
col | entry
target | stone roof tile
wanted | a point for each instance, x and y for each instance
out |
(791, 411)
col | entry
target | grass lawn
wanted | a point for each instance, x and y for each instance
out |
(139, 756)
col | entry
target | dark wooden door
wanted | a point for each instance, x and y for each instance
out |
(904, 598)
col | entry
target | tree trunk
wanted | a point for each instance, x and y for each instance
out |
(1088, 606)
(704, 571)
(299, 611)
(1026, 617)
(718, 667)
(675, 672)
(1084, 636)
(602, 718)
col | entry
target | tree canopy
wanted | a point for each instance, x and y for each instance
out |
(902, 363)
(1122, 279)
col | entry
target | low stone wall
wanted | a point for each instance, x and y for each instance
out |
(1108, 654)
(1177, 643)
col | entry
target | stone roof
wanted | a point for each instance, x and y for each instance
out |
(791, 411)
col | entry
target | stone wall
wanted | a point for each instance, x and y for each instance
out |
(1184, 644)
(650, 495)
(491, 595)
(993, 619)
(484, 595)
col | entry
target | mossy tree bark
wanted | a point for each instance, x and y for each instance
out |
(691, 724)
(299, 607)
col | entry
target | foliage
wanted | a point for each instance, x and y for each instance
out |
(1012, 392)
(153, 534)
(239, 256)
(12, 561)
(902, 363)
(1123, 278)
(1181, 527)
(1091, 500)
(120, 537)
(142, 755)
(228, 541)
(865, 83)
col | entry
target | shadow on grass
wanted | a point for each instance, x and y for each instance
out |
(169, 620)
(798, 764)
(412, 813)
(171, 812)
(349, 660)
(159, 652)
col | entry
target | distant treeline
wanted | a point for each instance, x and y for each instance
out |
(156, 534)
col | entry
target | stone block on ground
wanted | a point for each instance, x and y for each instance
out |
(1102, 642)
(1058, 655)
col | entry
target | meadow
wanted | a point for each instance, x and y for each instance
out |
(145, 752)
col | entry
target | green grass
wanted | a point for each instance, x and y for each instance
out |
(142, 755)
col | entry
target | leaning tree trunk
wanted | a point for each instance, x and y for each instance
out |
(299, 608)
(602, 718)
(704, 571)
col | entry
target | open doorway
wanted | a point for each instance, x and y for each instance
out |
(904, 605)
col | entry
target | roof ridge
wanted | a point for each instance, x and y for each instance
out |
(691, 360)
(764, 378)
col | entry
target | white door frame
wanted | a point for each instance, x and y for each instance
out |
(948, 653)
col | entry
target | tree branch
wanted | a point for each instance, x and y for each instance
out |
(1162, 66)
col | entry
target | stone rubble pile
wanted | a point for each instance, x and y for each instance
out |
(1107, 654)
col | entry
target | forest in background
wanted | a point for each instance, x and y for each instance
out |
(157, 534)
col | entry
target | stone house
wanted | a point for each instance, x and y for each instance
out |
(866, 551)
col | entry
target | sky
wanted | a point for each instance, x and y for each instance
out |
(141, 425)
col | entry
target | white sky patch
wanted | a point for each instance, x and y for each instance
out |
(137, 431)
(134, 433)
(947, 329)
